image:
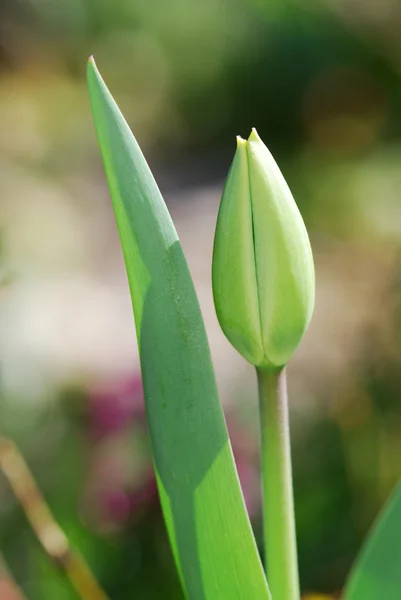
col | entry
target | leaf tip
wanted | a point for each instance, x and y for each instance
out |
(91, 66)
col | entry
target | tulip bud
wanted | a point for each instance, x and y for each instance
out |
(263, 273)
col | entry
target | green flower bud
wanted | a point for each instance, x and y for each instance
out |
(263, 274)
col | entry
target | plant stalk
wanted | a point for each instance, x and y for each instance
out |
(8, 587)
(278, 500)
(48, 532)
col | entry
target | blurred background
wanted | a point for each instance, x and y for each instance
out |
(321, 82)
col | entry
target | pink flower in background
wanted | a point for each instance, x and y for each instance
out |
(121, 482)
(113, 407)
(246, 454)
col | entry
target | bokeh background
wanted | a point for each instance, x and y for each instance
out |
(321, 82)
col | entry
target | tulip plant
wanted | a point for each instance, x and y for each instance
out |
(263, 286)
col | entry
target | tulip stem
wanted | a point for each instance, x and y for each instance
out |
(278, 501)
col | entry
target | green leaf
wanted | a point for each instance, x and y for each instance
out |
(201, 497)
(376, 574)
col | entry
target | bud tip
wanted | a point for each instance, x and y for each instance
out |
(254, 137)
